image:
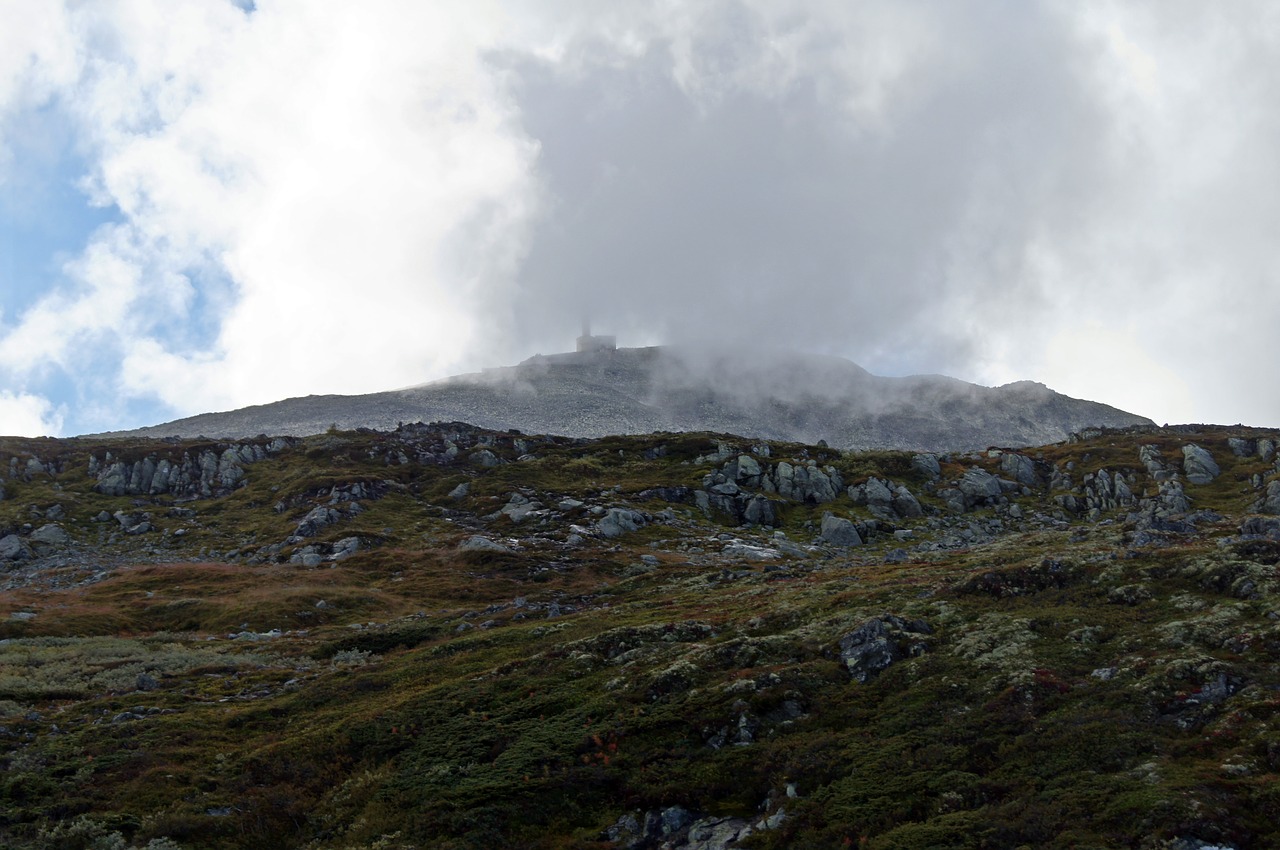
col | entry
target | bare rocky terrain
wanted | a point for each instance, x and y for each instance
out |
(768, 394)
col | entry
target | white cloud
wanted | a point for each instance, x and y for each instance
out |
(331, 197)
(355, 171)
(26, 415)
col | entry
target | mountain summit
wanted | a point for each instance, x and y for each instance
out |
(771, 394)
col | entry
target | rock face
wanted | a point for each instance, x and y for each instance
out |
(766, 394)
(1199, 465)
(879, 643)
(212, 472)
(839, 531)
(13, 548)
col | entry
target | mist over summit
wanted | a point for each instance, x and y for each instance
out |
(762, 392)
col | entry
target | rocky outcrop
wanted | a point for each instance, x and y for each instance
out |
(886, 500)
(13, 548)
(1199, 465)
(1020, 468)
(805, 482)
(212, 472)
(1105, 492)
(839, 531)
(881, 642)
(619, 521)
(1270, 502)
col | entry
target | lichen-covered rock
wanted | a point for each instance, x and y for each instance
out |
(477, 543)
(13, 548)
(619, 521)
(1199, 465)
(927, 465)
(839, 531)
(1241, 447)
(1020, 468)
(1270, 502)
(879, 643)
(51, 535)
(980, 487)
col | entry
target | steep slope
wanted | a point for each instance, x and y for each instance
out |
(767, 393)
(446, 637)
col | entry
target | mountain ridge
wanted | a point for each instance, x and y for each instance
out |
(771, 394)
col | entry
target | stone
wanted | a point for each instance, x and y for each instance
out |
(519, 507)
(619, 521)
(51, 535)
(927, 465)
(980, 486)
(839, 531)
(874, 646)
(316, 519)
(345, 548)
(1199, 465)
(878, 492)
(1020, 468)
(1270, 502)
(485, 459)
(477, 543)
(746, 552)
(905, 503)
(459, 492)
(1266, 449)
(13, 548)
(1241, 447)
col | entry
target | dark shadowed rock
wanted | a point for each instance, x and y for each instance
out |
(839, 531)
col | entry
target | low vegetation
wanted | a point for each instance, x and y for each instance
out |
(489, 664)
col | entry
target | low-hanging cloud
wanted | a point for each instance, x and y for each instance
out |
(320, 197)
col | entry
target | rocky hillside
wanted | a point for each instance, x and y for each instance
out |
(767, 394)
(449, 637)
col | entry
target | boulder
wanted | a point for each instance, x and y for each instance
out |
(51, 535)
(1270, 502)
(345, 548)
(905, 504)
(927, 465)
(1020, 468)
(485, 459)
(317, 519)
(839, 531)
(476, 543)
(1199, 465)
(1241, 447)
(980, 486)
(1266, 449)
(13, 548)
(879, 643)
(618, 521)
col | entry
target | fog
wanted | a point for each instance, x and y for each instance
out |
(301, 198)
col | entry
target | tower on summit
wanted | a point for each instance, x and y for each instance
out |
(588, 343)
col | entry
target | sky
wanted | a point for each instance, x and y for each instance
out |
(207, 204)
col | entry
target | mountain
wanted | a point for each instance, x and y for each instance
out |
(764, 393)
(450, 637)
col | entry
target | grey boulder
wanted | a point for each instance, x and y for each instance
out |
(1199, 465)
(13, 548)
(51, 535)
(619, 521)
(839, 531)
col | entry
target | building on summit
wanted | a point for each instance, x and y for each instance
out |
(588, 344)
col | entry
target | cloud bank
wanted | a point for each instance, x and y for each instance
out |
(311, 197)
